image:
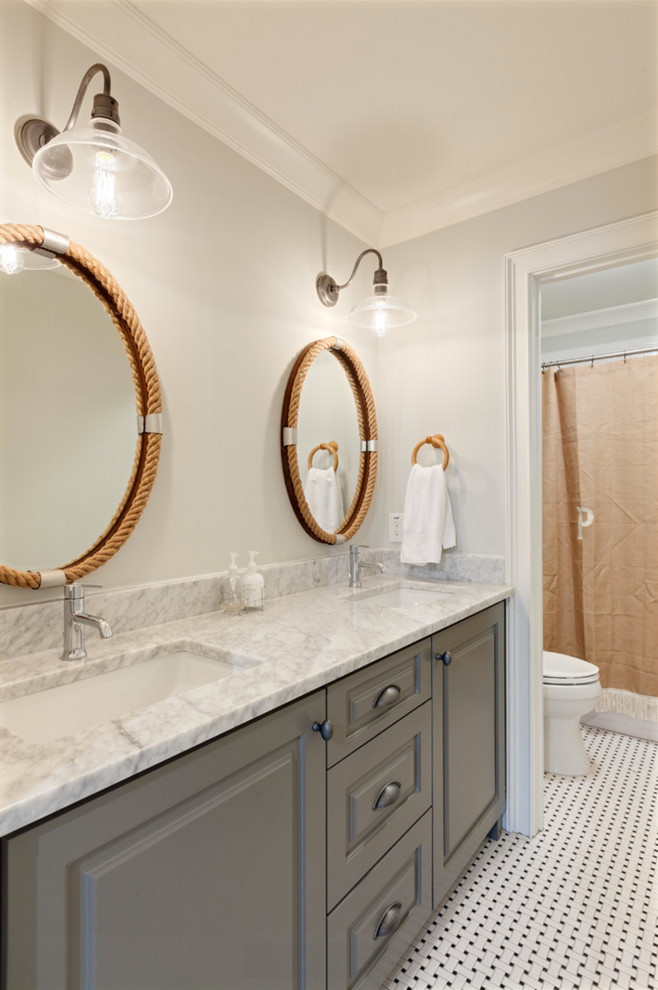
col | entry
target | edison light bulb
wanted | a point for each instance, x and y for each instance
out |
(381, 323)
(103, 197)
(11, 260)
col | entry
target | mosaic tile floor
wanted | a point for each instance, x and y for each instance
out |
(574, 908)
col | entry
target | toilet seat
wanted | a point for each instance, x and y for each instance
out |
(562, 669)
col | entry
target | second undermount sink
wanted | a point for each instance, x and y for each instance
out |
(406, 595)
(67, 708)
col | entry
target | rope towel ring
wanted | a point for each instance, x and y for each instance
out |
(331, 448)
(436, 440)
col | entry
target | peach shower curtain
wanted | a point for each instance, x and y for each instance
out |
(600, 518)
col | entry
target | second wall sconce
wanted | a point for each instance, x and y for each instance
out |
(378, 312)
(94, 168)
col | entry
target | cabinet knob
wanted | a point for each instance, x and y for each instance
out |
(387, 697)
(388, 795)
(389, 921)
(446, 657)
(325, 729)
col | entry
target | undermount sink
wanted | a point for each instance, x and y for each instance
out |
(67, 708)
(405, 596)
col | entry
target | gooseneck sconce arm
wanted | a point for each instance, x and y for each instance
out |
(378, 312)
(94, 168)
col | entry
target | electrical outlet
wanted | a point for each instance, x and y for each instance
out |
(395, 527)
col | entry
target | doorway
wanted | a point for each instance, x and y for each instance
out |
(526, 272)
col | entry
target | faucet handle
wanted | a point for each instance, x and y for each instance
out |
(75, 593)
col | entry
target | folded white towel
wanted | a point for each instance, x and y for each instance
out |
(428, 527)
(322, 492)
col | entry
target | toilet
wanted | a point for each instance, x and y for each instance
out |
(571, 689)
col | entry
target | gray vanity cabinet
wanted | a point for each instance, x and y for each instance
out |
(468, 698)
(271, 859)
(208, 872)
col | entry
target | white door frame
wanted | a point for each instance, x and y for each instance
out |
(525, 271)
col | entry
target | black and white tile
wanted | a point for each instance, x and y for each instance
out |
(575, 907)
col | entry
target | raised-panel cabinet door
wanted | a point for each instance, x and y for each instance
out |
(469, 740)
(206, 873)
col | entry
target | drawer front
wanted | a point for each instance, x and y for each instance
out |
(373, 926)
(374, 796)
(371, 699)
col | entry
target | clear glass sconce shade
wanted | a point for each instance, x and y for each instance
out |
(380, 313)
(98, 170)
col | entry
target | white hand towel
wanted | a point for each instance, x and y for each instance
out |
(322, 492)
(428, 527)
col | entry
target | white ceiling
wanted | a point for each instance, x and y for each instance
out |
(397, 118)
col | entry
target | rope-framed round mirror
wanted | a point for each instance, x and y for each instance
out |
(32, 247)
(316, 518)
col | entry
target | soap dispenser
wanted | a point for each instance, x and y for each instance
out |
(232, 591)
(254, 584)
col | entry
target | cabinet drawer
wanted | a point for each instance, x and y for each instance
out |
(374, 796)
(395, 900)
(364, 703)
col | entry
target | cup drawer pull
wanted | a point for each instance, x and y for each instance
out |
(387, 697)
(389, 921)
(388, 795)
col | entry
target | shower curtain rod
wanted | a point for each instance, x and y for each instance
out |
(599, 357)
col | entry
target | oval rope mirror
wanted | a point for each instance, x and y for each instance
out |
(147, 394)
(367, 422)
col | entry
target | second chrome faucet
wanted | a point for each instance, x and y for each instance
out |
(357, 565)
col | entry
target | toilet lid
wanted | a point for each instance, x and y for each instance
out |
(562, 669)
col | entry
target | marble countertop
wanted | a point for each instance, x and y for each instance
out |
(299, 643)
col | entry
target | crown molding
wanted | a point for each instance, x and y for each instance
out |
(598, 319)
(624, 143)
(131, 41)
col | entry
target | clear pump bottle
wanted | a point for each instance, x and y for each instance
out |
(254, 584)
(232, 590)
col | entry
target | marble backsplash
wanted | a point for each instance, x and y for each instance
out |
(453, 567)
(32, 628)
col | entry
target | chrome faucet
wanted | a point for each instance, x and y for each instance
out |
(75, 620)
(357, 565)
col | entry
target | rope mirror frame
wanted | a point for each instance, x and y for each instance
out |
(147, 394)
(367, 420)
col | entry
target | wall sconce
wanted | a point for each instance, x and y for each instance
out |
(378, 312)
(94, 168)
